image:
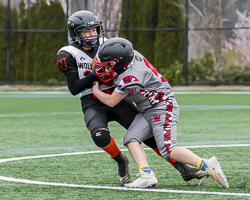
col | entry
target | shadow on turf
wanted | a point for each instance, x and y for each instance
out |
(242, 184)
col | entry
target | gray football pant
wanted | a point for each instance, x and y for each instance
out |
(159, 121)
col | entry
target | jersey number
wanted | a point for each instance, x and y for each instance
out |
(150, 66)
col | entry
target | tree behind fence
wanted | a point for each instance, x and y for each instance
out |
(215, 55)
(33, 54)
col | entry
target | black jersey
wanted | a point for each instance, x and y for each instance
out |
(75, 63)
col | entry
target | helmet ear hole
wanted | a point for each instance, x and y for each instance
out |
(119, 50)
(78, 41)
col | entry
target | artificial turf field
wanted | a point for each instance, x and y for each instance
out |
(47, 153)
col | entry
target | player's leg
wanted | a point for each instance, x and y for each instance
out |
(125, 114)
(146, 175)
(211, 166)
(187, 173)
(96, 121)
(167, 142)
(186, 156)
(144, 133)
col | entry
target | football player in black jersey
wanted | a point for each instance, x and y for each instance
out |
(75, 60)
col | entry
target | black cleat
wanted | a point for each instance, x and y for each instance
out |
(123, 173)
(188, 173)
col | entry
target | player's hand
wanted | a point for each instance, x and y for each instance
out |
(96, 85)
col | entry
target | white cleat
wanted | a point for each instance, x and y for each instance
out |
(145, 180)
(214, 170)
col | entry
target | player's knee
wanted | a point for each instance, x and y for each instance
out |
(101, 137)
(165, 153)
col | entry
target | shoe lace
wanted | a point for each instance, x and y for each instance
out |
(202, 179)
(141, 172)
(205, 177)
(155, 171)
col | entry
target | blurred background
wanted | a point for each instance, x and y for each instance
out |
(190, 42)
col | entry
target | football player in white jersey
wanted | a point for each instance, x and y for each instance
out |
(137, 79)
(75, 60)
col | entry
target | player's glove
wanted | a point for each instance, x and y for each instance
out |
(94, 67)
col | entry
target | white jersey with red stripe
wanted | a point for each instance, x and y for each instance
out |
(143, 83)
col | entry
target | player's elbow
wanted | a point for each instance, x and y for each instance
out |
(111, 103)
(73, 92)
(113, 100)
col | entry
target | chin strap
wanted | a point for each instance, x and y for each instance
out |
(130, 64)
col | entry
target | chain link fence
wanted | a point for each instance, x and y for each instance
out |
(217, 47)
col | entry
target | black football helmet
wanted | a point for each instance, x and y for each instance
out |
(115, 56)
(81, 21)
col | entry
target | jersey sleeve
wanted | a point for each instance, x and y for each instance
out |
(67, 64)
(128, 84)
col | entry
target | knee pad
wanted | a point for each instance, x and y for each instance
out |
(101, 137)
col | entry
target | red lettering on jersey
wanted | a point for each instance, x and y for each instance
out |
(86, 72)
(132, 91)
(157, 118)
(62, 64)
(149, 65)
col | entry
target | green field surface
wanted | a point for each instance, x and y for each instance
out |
(47, 153)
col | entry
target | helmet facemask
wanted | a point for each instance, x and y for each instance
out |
(105, 70)
(116, 55)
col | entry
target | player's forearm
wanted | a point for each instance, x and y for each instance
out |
(77, 85)
(104, 98)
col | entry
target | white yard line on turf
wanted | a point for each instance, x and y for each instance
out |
(115, 188)
(119, 188)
